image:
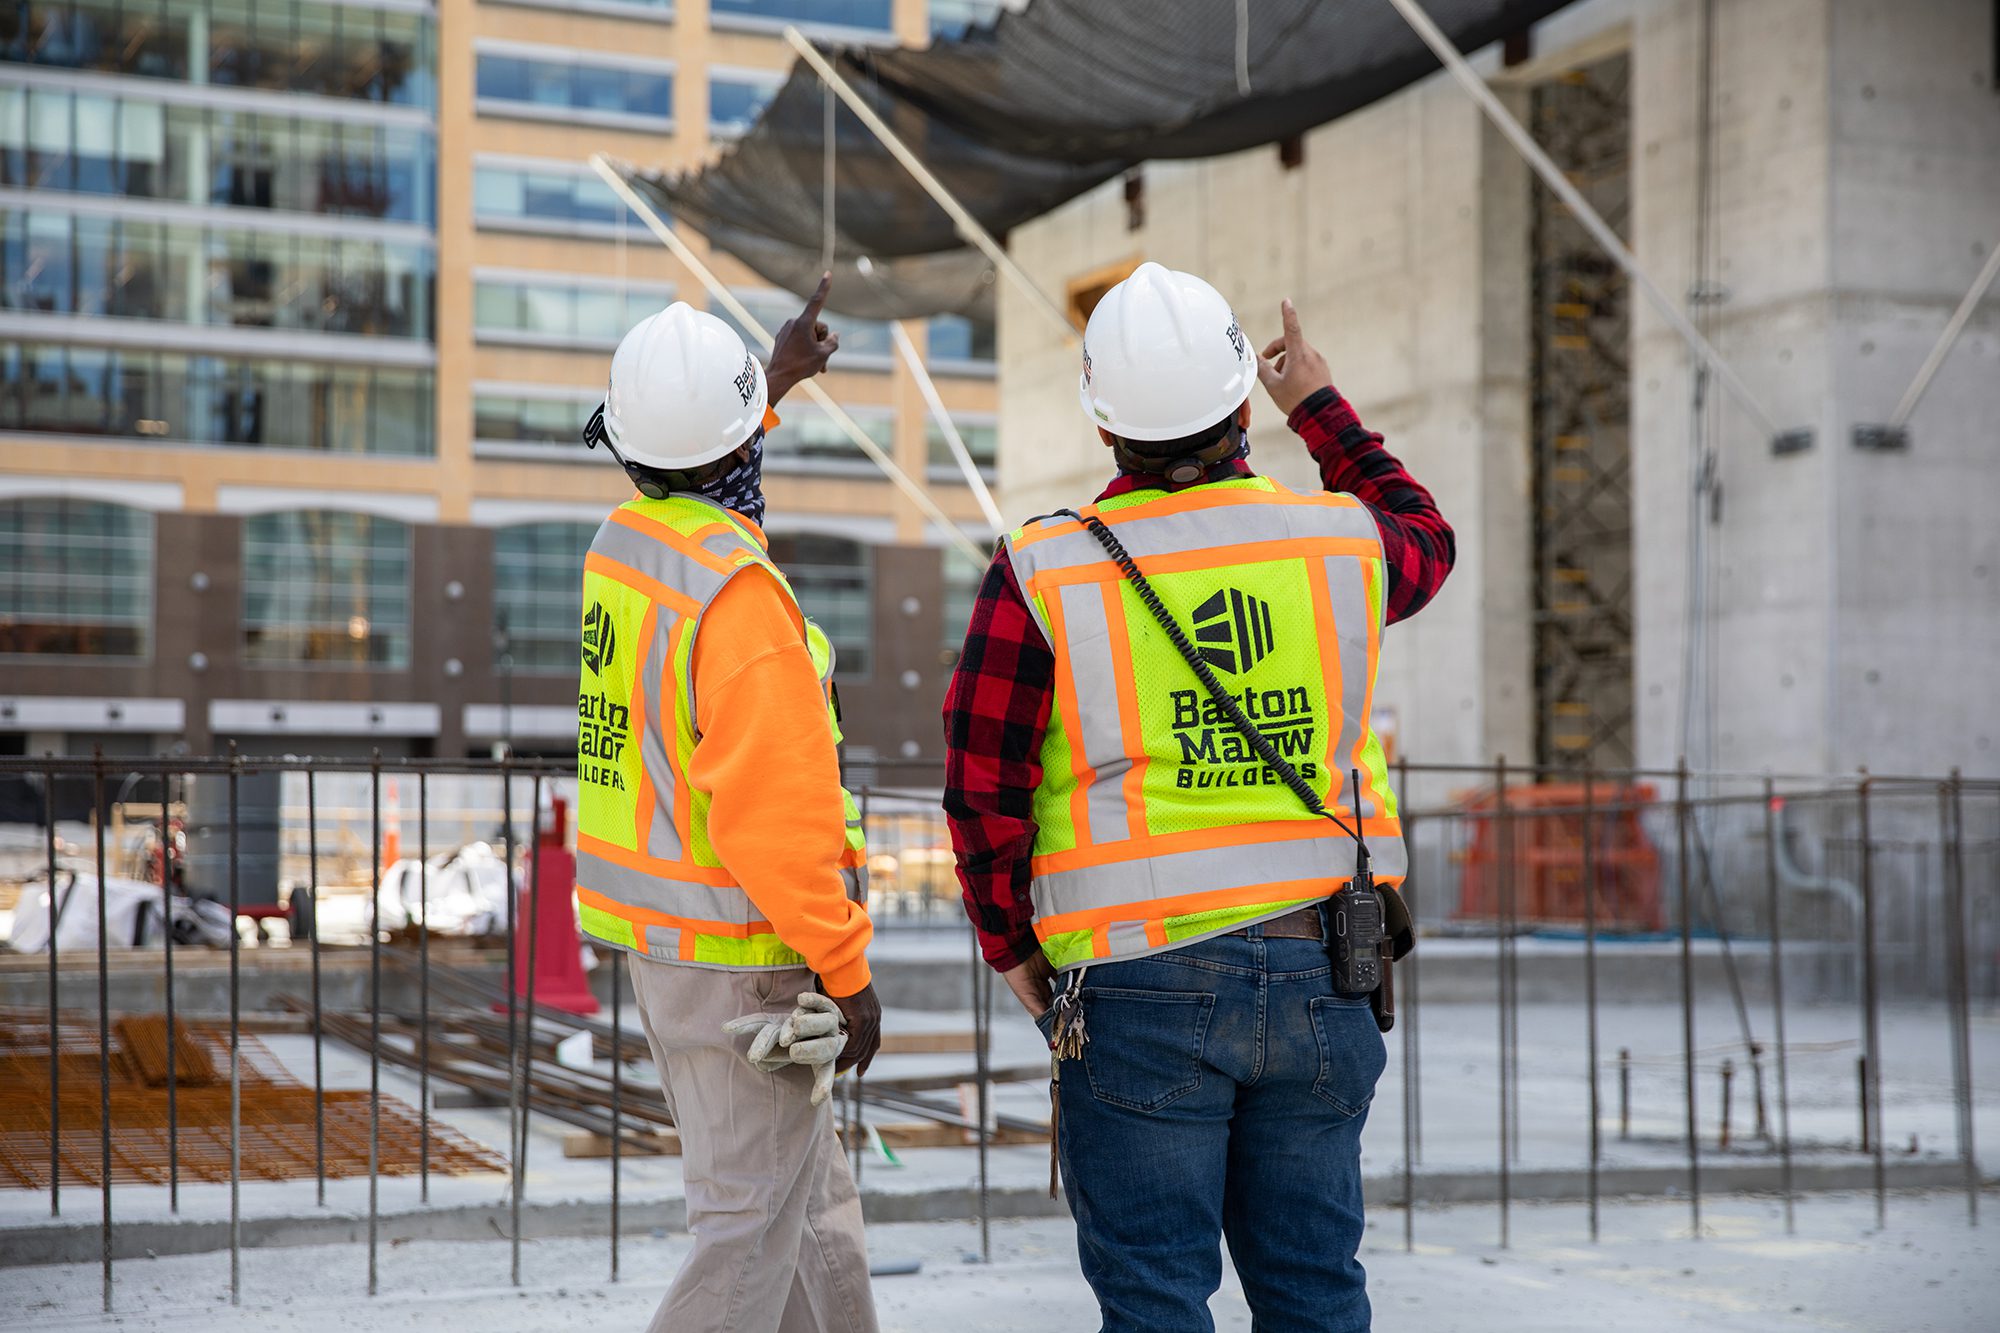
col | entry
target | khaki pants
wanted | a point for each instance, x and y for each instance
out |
(770, 1200)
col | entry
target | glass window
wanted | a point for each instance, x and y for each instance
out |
(146, 394)
(402, 412)
(558, 196)
(538, 594)
(982, 441)
(327, 49)
(513, 419)
(809, 434)
(321, 586)
(847, 13)
(560, 84)
(76, 577)
(557, 312)
(956, 338)
(832, 577)
(950, 18)
(140, 148)
(65, 263)
(733, 104)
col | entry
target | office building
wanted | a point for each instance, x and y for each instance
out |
(303, 307)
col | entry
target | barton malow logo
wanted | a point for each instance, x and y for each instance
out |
(600, 641)
(1233, 630)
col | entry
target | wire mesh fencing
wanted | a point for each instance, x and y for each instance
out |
(1689, 982)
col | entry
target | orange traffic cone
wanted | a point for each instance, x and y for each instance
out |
(558, 958)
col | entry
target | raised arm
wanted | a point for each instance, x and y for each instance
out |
(1417, 544)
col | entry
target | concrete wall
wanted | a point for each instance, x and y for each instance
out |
(1379, 239)
(1854, 598)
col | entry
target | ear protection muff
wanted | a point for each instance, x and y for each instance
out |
(1188, 468)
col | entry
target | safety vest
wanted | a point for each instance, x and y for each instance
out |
(647, 878)
(1156, 824)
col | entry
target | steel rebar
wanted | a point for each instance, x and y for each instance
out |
(1870, 999)
(1412, 974)
(1624, 1092)
(1409, 1048)
(1958, 985)
(1687, 998)
(235, 1033)
(1728, 1075)
(513, 1047)
(374, 1015)
(982, 1014)
(319, 1039)
(1504, 841)
(534, 878)
(1590, 989)
(423, 989)
(98, 812)
(617, 1086)
(1778, 1004)
(167, 957)
(55, 1064)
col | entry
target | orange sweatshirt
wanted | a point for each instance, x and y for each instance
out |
(766, 757)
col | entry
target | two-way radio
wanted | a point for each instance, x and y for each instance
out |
(1354, 920)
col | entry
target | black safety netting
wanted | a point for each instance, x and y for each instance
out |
(1022, 115)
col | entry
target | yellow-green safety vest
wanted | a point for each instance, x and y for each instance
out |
(1156, 824)
(647, 878)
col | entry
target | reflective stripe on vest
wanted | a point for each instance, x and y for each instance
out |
(647, 877)
(1156, 822)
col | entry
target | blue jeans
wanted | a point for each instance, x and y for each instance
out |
(1221, 1093)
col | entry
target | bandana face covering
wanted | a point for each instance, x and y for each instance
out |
(741, 488)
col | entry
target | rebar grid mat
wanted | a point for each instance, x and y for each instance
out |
(143, 1039)
(276, 1112)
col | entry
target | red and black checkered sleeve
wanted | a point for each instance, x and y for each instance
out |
(1417, 544)
(994, 716)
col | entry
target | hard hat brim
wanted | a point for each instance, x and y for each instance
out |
(1109, 418)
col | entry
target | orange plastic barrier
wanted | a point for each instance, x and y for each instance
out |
(1546, 828)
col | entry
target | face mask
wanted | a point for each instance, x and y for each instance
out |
(741, 488)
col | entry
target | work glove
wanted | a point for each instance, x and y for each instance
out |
(809, 1036)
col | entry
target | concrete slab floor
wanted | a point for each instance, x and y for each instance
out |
(1459, 1104)
(1926, 1273)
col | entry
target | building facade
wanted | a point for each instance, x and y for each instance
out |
(303, 306)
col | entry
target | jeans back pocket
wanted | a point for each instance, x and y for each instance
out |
(1352, 1053)
(1144, 1047)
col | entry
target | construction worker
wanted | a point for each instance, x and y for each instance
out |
(1117, 833)
(714, 841)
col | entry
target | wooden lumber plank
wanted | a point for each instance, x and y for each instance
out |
(915, 1134)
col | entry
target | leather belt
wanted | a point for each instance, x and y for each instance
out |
(1300, 924)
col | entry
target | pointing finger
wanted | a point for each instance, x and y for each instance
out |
(819, 296)
(1291, 318)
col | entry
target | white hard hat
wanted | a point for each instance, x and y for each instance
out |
(1163, 356)
(684, 390)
